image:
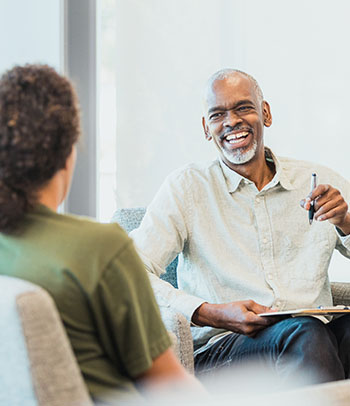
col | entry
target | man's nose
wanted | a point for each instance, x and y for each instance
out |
(231, 119)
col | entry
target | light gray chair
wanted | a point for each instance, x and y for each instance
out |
(175, 322)
(129, 219)
(37, 364)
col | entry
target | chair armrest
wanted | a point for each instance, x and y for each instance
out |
(178, 325)
(341, 293)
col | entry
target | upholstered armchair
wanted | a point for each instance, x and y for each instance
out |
(177, 323)
(37, 364)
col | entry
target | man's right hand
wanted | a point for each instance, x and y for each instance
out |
(240, 317)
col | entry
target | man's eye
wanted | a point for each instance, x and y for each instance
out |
(244, 108)
(214, 116)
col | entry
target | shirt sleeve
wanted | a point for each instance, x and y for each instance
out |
(343, 241)
(161, 236)
(133, 318)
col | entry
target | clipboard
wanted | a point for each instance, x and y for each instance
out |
(318, 311)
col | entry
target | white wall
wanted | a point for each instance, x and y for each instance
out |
(166, 50)
(29, 32)
(297, 50)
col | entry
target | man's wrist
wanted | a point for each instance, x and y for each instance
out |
(201, 315)
(344, 229)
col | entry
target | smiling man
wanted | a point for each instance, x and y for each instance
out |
(235, 116)
(245, 244)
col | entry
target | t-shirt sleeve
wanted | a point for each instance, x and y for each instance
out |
(133, 319)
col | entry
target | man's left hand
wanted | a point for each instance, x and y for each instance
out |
(329, 205)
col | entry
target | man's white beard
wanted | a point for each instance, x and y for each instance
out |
(240, 155)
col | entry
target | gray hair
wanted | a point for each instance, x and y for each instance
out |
(227, 73)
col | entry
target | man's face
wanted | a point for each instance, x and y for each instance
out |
(235, 119)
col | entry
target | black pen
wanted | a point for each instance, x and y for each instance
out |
(312, 208)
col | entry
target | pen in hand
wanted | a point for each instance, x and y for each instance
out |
(312, 208)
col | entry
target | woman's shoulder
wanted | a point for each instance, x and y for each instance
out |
(78, 233)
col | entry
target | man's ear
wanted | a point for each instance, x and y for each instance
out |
(206, 129)
(266, 114)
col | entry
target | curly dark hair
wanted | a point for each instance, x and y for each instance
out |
(39, 124)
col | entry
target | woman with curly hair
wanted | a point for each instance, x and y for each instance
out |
(91, 270)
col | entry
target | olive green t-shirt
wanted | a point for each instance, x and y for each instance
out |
(101, 290)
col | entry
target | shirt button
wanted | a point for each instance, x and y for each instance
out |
(257, 200)
(269, 276)
(264, 240)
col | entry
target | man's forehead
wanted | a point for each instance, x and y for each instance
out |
(235, 86)
(233, 78)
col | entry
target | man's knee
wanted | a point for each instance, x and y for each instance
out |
(303, 324)
(306, 332)
(308, 345)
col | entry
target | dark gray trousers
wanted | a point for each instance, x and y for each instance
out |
(290, 347)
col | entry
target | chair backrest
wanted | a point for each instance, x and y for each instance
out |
(130, 219)
(37, 364)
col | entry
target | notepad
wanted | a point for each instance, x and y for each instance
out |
(319, 311)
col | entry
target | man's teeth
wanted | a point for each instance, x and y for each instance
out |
(233, 138)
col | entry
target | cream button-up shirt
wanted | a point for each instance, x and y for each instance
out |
(236, 242)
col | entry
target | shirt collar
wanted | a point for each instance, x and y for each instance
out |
(233, 179)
